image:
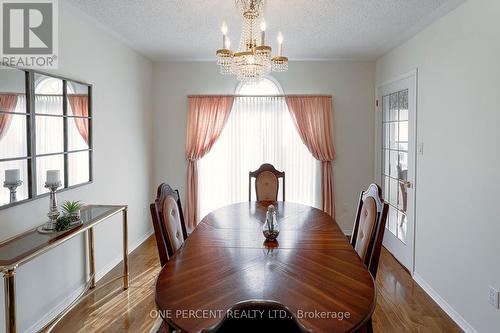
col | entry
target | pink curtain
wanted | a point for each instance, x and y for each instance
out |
(7, 104)
(312, 116)
(80, 106)
(207, 116)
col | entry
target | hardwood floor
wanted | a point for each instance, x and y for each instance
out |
(110, 309)
(402, 306)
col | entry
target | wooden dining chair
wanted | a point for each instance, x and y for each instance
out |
(168, 222)
(266, 183)
(270, 316)
(368, 232)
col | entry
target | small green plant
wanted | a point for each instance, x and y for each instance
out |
(63, 223)
(71, 210)
(71, 207)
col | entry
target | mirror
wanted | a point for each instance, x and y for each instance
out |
(49, 129)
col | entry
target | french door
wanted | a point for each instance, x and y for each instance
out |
(396, 166)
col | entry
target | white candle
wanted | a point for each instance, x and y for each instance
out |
(12, 176)
(53, 177)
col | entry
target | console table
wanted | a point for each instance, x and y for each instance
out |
(22, 248)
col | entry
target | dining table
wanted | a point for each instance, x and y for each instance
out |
(311, 269)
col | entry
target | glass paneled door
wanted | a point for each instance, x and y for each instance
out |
(397, 165)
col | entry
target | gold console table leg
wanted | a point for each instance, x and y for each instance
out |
(91, 258)
(125, 250)
(9, 277)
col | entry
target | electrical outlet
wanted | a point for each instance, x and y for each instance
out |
(493, 297)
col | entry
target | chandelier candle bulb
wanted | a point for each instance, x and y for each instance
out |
(263, 27)
(280, 44)
(224, 34)
(224, 28)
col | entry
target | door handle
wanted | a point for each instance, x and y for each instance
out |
(407, 184)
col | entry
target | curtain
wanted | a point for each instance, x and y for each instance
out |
(312, 116)
(207, 116)
(7, 104)
(259, 130)
(80, 106)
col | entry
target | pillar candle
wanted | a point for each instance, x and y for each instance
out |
(53, 177)
(12, 176)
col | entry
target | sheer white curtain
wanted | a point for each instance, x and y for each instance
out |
(259, 130)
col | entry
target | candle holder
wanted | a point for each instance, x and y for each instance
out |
(53, 213)
(13, 189)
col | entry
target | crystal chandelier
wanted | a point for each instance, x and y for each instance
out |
(251, 62)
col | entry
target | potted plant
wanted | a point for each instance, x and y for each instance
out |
(62, 223)
(71, 210)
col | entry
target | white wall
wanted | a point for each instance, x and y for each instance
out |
(351, 84)
(457, 224)
(122, 166)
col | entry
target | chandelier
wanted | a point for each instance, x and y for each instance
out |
(251, 61)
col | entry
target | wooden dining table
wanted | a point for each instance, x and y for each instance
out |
(311, 269)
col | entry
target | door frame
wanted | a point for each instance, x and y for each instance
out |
(413, 75)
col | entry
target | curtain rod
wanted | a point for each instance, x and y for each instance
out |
(281, 95)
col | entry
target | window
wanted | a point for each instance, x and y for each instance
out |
(42, 128)
(259, 130)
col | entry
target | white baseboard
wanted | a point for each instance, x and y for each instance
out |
(36, 327)
(450, 311)
(348, 233)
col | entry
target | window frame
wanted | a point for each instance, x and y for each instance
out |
(31, 157)
(271, 79)
(277, 93)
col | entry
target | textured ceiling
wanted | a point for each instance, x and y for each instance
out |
(313, 29)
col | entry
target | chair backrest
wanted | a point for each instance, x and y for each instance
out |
(369, 227)
(258, 316)
(168, 222)
(266, 183)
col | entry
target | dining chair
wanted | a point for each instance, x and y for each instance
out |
(168, 222)
(368, 232)
(266, 183)
(258, 316)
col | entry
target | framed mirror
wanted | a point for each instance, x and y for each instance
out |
(45, 124)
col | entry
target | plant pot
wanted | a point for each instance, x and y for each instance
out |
(74, 217)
